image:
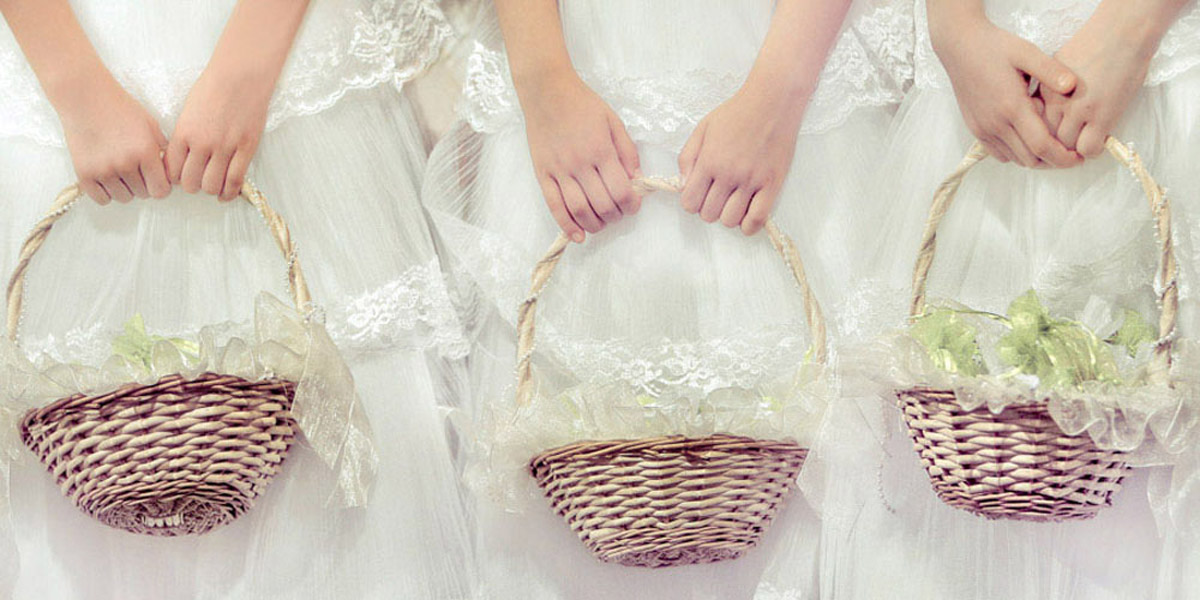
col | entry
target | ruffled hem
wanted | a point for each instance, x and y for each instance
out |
(509, 436)
(1153, 423)
(284, 345)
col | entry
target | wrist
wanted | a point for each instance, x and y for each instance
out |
(72, 89)
(1140, 25)
(787, 101)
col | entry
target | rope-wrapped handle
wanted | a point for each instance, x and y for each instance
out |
(1160, 205)
(526, 317)
(70, 196)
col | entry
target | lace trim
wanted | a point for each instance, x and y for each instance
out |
(870, 65)
(415, 310)
(655, 368)
(1050, 27)
(387, 41)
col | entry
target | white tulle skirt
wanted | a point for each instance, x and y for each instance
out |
(346, 180)
(1072, 235)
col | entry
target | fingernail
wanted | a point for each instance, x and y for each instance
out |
(577, 237)
(1064, 81)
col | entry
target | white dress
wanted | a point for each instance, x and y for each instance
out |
(1075, 236)
(661, 311)
(342, 161)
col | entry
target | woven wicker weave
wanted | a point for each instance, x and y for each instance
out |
(1019, 464)
(671, 500)
(179, 456)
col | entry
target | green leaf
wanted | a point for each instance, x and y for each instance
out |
(1135, 330)
(1059, 352)
(137, 347)
(950, 341)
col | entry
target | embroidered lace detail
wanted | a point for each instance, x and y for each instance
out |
(415, 310)
(870, 65)
(352, 46)
(702, 366)
(1049, 25)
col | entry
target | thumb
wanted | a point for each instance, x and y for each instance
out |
(1049, 71)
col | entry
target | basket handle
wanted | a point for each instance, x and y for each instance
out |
(70, 196)
(1160, 205)
(644, 185)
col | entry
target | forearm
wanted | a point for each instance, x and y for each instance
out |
(796, 47)
(1141, 24)
(534, 42)
(257, 39)
(948, 17)
(56, 47)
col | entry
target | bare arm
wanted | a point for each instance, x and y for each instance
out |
(1111, 55)
(114, 142)
(226, 111)
(736, 161)
(582, 156)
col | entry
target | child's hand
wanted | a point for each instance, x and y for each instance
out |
(582, 156)
(115, 145)
(989, 68)
(225, 113)
(1111, 55)
(218, 132)
(736, 160)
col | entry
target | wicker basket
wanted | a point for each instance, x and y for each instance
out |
(183, 455)
(1019, 464)
(670, 500)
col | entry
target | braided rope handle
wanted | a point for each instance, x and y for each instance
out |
(1160, 205)
(526, 317)
(70, 196)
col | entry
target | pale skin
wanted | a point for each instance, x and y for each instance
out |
(1110, 55)
(989, 69)
(736, 160)
(117, 148)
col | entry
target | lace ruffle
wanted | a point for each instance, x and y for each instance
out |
(352, 45)
(413, 311)
(788, 407)
(1049, 25)
(1154, 423)
(281, 343)
(869, 66)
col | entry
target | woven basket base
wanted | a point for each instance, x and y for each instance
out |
(672, 500)
(1014, 465)
(177, 457)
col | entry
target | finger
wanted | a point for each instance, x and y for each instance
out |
(154, 173)
(1045, 146)
(1053, 116)
(213, 178)
(193, 171)
(235, 177)
(116, 189)
(620, 189)
(1049, 71)
(558, 210)
(1091, 140)
(735, 208)
(759, 211)
(714, 201)
(1023, 155)
(1069, 130)
(695, 188)
(133, 180)
(597, 196)
(578, 206)
(626, 150)
(691, 150)
(95, 191)
(176, 155)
